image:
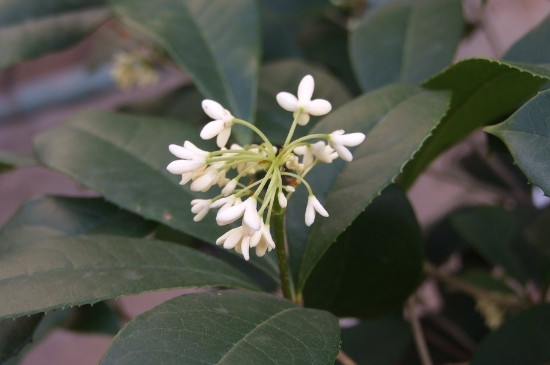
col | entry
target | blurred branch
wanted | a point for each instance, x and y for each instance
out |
(506, 301)
(344, 359)
(418, 336)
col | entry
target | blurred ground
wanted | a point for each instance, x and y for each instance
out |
(503, 22)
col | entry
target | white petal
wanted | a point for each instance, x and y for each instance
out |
(267, 237)
(303, 119)
(230, 214)
(223, 137)
(287, 101)
(251, 217)
(319, 207)
(343, 152)
(181, 166)
(186, 177)
(180, 151)
(195, 149)
(255, 239)
(245, 247)
(310, 214)
(305, 89)
(204, 182)
(318, 107)
(212, 129)
(222, 201)
(300, 150)
(213, 109)
(282, 199)
(229, 187)
(261, 249)
(200, 215)
(234, 238)
(351, 139)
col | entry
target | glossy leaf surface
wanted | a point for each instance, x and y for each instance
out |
(396, 121)
(527, 135)
(86, 269)
(405, 41)
(63, 216)
(482, 91)
(33, 38)
(227, 327)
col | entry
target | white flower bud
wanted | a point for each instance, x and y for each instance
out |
(313, 205)
(200, 207)
(282, 199)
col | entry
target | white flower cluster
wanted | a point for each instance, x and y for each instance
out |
(256, 181)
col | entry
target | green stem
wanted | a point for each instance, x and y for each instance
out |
(287, 283)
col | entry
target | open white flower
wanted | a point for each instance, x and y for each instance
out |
(220, 126)
(319, 150)
(303, 102)
(192, 158)
(339, 141)
(313, 205)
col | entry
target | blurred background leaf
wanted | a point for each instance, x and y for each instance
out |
(29, 29)
(524, 339)
(218, 45)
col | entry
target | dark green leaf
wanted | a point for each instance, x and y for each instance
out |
(382, 249)
(282, 22)
(405, 41)
(377, 342)
(218, 44)
(537, 232)
(531, 48)
(493, 244)
(527, 135)
(396, 120)
(523, 339)
(482, 91)
(68, 271)
(124, 158)
(16, 333)
(10, 160)
(227, 327)
(59, 216)
(285, 76)
(97, 318)
(31, 39)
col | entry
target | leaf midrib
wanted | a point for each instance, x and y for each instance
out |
(258, 327)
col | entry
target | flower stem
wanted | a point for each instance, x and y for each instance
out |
(418, 335)
(287, 283)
